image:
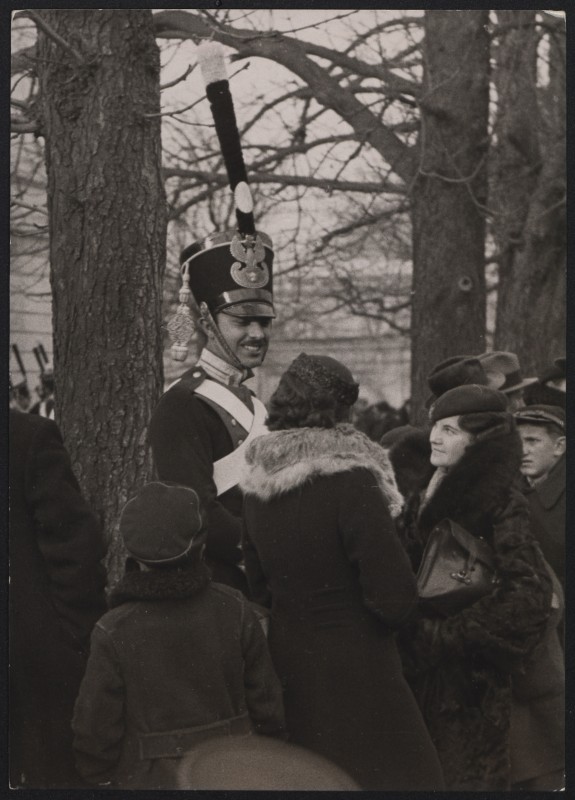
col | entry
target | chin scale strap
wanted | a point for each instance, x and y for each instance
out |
(212, 327)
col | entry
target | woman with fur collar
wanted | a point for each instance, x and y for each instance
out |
(461, 666)
(321, 550)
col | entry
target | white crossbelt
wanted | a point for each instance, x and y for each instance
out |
(227, 400)
(229, 469)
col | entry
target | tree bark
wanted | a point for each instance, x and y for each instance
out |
(448, 196)
(99, 78)
(528, 195)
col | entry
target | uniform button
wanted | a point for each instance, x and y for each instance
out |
(197, 374)
(234, 423)
(240, 441)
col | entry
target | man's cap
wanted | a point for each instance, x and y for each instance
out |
(469, 399)
(325, 375)
(503, 371)
(231, 272)
(552, 372)
(163, 524)
(452, 372)
(541, 415)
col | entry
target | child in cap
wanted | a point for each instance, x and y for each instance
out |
(176, 661)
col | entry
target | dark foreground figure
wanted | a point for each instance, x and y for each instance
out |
(56, 595)
(176, 661)
(321, 549)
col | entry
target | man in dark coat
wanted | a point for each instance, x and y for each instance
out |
(542, 431)
(201, 426)
(177, 661)
(56, 595)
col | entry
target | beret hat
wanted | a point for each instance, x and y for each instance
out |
(469, 399)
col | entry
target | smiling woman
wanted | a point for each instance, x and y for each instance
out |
(466, 668)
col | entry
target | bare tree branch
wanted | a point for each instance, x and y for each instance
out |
(23, 60)
(19, 126)
(37, 18)
(288, 180)
(292, 55)
(20, 204)
(189, 70)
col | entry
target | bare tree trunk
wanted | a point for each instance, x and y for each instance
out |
(99, 77)
(448, 196)
(528, 194)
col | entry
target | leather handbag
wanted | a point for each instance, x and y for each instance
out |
(456, 569)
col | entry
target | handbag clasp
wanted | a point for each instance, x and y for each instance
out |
(462, 577)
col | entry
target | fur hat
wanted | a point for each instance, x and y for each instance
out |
(454, 371)
(323, 374)
(541, 415)
(471, 399)
(163, 524)
(503, 371)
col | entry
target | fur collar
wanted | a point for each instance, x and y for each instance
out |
(284, 460)
(159, 584)
(479, 484)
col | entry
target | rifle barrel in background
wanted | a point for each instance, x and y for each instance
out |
(18, 358)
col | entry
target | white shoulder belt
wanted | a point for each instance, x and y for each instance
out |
(229, 469)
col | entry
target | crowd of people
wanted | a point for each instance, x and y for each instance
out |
(271, 586)
(273, 628)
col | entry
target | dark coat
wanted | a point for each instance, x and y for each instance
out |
(57, 586)
(177, 659)
(462, 667)
(547, 503)
(321, 550)
(187, 436)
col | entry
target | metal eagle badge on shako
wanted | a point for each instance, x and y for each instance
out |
(227, 271)
(250, 270)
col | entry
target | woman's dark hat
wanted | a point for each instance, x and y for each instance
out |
(454, 371)
(470, 399)
(163, 524)
(325, 375)
(229, 271)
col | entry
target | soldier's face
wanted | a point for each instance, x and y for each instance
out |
(247, 337)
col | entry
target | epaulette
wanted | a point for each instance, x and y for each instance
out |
(193, 377)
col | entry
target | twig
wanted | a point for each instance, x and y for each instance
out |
(183, 77)
(37, 18)
(177, 111)
(20, 204)
(17, 126)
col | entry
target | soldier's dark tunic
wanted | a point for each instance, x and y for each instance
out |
(188, 434)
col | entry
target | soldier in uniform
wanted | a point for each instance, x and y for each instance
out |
(203, 422)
